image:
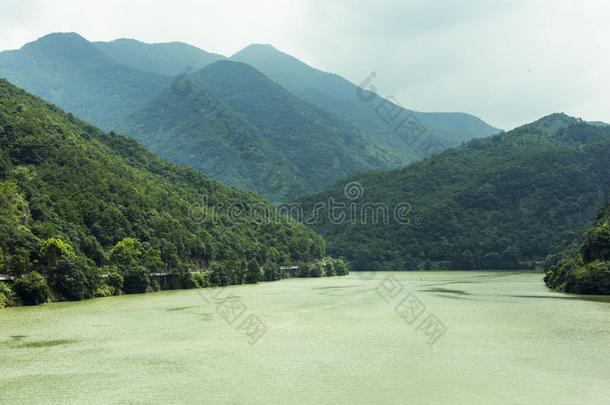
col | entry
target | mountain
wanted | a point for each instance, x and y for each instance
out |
(498, 202)
(170, 58)
(104, 82)
(232, 122)
(585, 270)
(74, 198)
(67, 70)
(412, 134)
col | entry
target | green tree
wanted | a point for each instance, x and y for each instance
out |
(136, 280)
(272, 271)
(7, 296)
(152, 260)
(31, 289)
(169, 255)
(341, 267)
(329, 269)
(53, 250)
(125, 253)
(13, 205)
(70, 276)
(253, 272)
(74, 277)
(316, 270)
(596, 244)
(115, 280)
(93, 250)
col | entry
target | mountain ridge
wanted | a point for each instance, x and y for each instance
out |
(504, 201)
(297, 145)
(358, 105)
(67, 70)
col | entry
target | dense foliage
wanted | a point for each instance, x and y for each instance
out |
(231, 122)
(368, 112)
(32, 289)
(72, 73)
(7, 296)
(95, 213)
(499, 202)
(588, 270)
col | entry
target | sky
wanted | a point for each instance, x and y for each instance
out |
(507, 62)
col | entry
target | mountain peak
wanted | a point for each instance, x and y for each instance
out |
(553, 123)
(59, 39)
(265, 53)
(167, 58)
(258, 48)
(136, 42)
(226, 67)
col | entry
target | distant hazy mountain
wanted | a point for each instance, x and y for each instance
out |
(271, 140)
(170, 58)
(67, 70)
(492, 203)
(367, 111)
(232, 122)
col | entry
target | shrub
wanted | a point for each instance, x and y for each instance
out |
(136, 280)
(7, 296)
(31, 289)
(154, 286)
(126, 252)
(304, 270)
(329, 269)
(341, 267)
(54, 249)
(316, 270)
(73, 277)
(103, 291)
(202, 280)
(188, 281)
(272, 272)
(115, 280)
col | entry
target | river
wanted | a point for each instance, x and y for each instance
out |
(368, 338)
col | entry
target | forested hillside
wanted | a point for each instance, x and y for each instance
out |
(96, 213)
(499, 202)
(380, 118)
(585, 270)
(230, 121)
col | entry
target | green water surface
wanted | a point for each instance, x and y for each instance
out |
(463, 337)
